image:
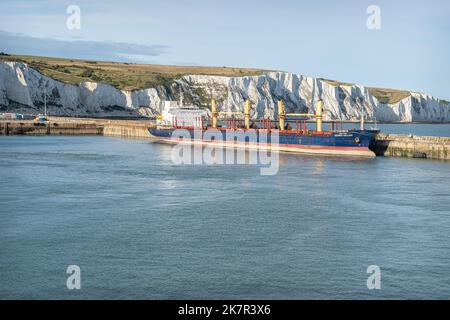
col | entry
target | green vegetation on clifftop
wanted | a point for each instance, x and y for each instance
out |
(383, 95)
(124, 76)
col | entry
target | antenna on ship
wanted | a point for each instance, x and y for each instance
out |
(312, 96)
(375, 124)
(362, 117)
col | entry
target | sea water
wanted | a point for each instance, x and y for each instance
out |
(140, 227)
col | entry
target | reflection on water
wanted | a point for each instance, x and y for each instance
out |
(141, 227)
(319, 166)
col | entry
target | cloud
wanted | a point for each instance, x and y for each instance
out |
(81, 49)
(144, 58)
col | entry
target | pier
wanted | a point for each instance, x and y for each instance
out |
(387, 145)
(78, 126)
(50, 128)
(404, 146)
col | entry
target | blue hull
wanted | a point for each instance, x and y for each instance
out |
(352, 142)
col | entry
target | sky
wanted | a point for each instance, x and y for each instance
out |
(327, 39)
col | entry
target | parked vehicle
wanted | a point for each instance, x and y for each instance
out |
(11, 116)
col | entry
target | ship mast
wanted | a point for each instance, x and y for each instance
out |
(312, 95)
(362, 117)
(181, 99)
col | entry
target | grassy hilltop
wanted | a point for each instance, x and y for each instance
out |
(124, 76)
(383, 95)
(131, 76)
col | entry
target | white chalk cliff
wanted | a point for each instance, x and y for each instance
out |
(22, 90)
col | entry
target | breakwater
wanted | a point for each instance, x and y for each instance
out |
(394, 145)
(54, 128)
(388, 145)
(78, 126)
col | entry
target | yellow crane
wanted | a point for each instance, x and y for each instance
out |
(216, 113)
(318, 115)
(281, 114)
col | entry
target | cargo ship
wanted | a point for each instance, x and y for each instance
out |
(237, 133)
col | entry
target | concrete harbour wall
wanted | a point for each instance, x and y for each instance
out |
(394, 145)
(51, 128)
